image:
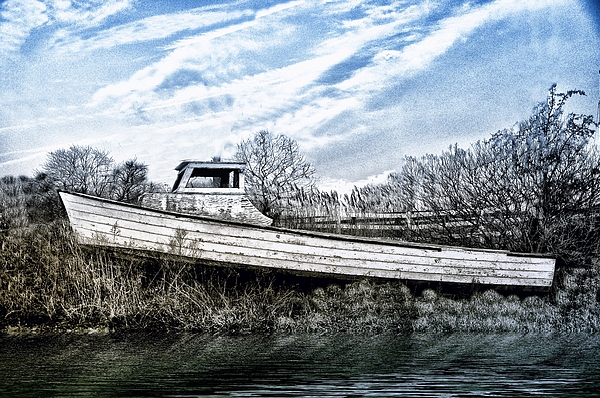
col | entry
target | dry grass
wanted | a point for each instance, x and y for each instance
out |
(47, 279)
(486, 311)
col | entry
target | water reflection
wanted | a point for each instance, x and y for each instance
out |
(182, 365)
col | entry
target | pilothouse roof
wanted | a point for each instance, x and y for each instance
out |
(197, 176)
(200, 164)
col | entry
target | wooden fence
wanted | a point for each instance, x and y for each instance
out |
(392, 224)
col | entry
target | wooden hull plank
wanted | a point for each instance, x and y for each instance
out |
(235, 235)
(162, 234)
(107, 223)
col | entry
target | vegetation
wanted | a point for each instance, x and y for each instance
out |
(534, 188)
(92, 171)
(47, 279)
(275, 169)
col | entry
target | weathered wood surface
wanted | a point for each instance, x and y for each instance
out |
(231, 206)
(108, 223)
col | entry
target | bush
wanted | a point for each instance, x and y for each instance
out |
(532, 189)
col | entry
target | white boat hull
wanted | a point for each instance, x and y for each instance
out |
(102, 222)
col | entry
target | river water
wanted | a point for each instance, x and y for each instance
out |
(188, 365)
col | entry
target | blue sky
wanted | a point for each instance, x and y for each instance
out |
(359, 84)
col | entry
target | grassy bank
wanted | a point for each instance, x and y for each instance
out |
(48, 281)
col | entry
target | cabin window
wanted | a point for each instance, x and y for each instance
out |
(204, 182)
(194, 176)
(213, 178)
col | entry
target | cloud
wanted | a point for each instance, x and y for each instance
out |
(345, 187)
(235, 28)
(206, 78)
(19, 18)
(197, 53)
(151, 28)
(202, 55)
(208, 82)
(87, 13)
(418, 56)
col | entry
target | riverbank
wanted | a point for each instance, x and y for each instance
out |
(49, 283)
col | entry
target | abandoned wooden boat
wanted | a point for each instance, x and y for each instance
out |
(215, 223)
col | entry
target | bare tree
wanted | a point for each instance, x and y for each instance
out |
(552, 175)
(533, 188)
(80, 169)
(129, 181)
(275, 169)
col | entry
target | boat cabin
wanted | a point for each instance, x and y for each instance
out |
(213, 189)
(209, 177)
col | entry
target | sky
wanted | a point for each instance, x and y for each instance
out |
(358, 84)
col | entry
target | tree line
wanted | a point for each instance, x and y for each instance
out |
(275, 168)
(531, 188)
(82, 169)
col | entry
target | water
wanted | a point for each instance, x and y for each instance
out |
(187, 365)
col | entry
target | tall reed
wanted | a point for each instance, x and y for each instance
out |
(47, 279)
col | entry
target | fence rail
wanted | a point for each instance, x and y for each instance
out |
(491, 228)
(400, 220)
